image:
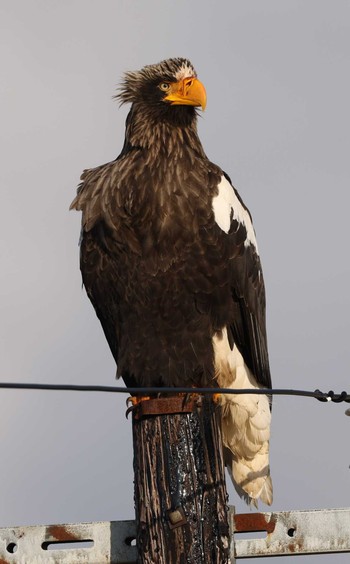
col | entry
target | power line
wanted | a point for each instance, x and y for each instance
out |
(317, 394)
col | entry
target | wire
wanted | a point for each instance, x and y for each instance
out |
(321, 396)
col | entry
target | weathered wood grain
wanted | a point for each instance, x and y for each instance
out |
(180, 491)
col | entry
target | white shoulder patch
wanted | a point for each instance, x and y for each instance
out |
(226, 206)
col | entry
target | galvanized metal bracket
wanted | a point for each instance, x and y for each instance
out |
(110, 542)
(287, 533)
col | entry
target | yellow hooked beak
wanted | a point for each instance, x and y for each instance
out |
(187, 92)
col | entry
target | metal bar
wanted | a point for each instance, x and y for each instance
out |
(101, 542)
(288, 533)
(291, 533)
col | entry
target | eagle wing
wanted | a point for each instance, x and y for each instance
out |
(247, 328)
(98, 249)
(240, 349)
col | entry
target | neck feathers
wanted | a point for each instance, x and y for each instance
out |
(169, 134)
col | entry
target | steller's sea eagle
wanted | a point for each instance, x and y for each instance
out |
(170, 262)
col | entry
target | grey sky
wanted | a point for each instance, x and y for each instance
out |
(277, 120)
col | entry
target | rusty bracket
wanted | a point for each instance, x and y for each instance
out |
(177, 518)
(167, 405)
(286, 533)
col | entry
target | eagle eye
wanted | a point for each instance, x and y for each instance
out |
(164, 86)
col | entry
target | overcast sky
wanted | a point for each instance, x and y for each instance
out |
(277, 120)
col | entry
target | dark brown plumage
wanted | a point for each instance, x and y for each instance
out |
(169, 283)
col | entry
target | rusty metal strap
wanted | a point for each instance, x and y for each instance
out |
(166, 405)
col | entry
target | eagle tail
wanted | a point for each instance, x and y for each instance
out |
(247, 463)
(258, 484)
(245, 425)
(260, 487)
(266, 495)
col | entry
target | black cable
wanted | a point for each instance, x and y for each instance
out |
(321, 396)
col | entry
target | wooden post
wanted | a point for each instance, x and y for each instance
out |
(180, 490)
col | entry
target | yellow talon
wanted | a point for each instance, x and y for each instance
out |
(135, 400)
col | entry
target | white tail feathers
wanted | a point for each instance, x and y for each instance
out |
(245, 425)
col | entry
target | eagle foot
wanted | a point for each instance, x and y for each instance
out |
(134, 401)
(128, 411)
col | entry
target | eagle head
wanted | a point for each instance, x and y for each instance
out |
(170, 83)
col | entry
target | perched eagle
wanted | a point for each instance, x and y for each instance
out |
(170, 262)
